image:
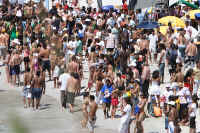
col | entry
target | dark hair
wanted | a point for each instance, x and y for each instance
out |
(155, 74)
(75, 75)
(188, 74)
(92, 97)
(38, 73)
(73, 58)
(85, 94)
(128, 100)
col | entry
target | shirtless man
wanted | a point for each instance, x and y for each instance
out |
(141, 115)
(144, 45)
(73, 88)
(73, 66)
(145, 79)
(27, 87)
(92, 114)
(85, 109)
(16, 68)
(6, 62)
(44, 54)
(172, 118)
(2, 45)
(191, 51)
(91, 77)
(36, 89)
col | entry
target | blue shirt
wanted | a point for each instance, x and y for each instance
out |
(110, 89)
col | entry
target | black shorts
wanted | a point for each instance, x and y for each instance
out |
(16, 70)
(110, 49)
(192, 122)
(107, 105)
(46, 65)
(145, 88)
(26, 59)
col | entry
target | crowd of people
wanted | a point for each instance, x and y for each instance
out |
(34, 41)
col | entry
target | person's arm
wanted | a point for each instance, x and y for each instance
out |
(196, 51)
(161, 56)
(186, 50)
(189, 110)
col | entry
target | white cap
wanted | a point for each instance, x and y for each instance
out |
(172, 103)
(16, 41)
(132, 64)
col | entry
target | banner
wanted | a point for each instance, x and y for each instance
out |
(172, 2)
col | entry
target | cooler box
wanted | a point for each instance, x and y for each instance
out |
(197, 16)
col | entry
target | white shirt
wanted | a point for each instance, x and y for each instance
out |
(155, 89)
(167, 94)
(181, 94)
(110, 41)
(19, 13)
(127, 110)
(56, 71)
(188, 96)
(153, 39)
(73, 45)
(63, 80)
(193, 106)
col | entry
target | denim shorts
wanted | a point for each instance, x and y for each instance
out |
(36, 93)
(166, 123)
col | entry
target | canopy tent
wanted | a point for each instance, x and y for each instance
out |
(172, 2)
(107, 8)
(147, 25)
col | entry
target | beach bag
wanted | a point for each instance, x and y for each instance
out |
(157, 111)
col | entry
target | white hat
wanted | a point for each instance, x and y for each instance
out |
(168, 86)
(132, 64)
(172, 103)
(16, 41)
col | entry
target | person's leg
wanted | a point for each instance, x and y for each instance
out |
(71, 108)
(54, 80)
(29, 102)
(24, 100)
(7, 74)
(18, 78)
(112, 112)
(33, 104)
(104, 110)
(85, 118)
(108, 109)
(37, 103)
(14, 81)
(49, 68)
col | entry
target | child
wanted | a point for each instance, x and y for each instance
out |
(56, 74)
(27, 88)
(114, 102)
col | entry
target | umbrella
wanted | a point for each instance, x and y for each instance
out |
(176, 22)
(107, 8)
(147, 25)
(163, 29)
(192, 13)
